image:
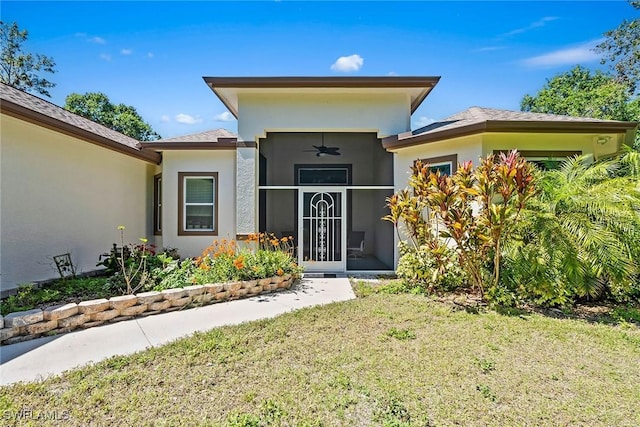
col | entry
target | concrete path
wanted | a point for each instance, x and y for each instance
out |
(36, 359)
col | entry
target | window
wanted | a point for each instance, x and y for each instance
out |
(323, 174)
(197, 204)
(545, 160)
(157, 205)
(447, 165)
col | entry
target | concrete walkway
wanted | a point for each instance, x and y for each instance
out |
(36, 359)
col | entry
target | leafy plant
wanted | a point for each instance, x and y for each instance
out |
(422, 271)
(475, 210)
(486, 392)
(27, 297)
(581, 235)
(627, 314)
(486, 365)
(391, 411)
(30, 296)
(174, 274)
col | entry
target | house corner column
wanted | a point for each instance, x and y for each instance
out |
(246, 194)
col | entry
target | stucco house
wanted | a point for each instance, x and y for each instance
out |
(314, 157)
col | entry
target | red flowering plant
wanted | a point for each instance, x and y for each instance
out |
(470, 214)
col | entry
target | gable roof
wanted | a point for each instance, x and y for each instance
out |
(214, 139)
(227, 89)
(480, 119)
(25, 106)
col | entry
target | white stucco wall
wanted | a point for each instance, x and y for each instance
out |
(328, 111)
(60, 194)
(246, 180)
(587, 143)
(386, 114)
(466, 147)
(221, 161)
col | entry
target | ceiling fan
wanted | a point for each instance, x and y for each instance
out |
(322, 150)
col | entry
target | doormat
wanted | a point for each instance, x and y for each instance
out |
(330, 275)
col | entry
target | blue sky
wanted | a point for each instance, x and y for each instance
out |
(152, 55)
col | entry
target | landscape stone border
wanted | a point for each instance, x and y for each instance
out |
(25, 325)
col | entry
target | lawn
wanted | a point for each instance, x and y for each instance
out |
(391, 360)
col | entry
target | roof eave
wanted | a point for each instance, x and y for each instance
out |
(162, 146)
(428, 83)
(320, 82)
(23, 113)
(396, 142)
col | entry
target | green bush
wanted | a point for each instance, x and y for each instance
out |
(580, 237)
(420, 269)
(175, 274)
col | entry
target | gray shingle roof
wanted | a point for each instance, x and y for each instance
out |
(479, 119)
(207, 136)
(45, 109)
(475, 115)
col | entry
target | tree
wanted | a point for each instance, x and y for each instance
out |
(621, 48)
(19, 69)
(125, 119)
(581, 93)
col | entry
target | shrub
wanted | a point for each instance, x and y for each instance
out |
(419, 268)
(174, 274)
(475, 209)
(580, 237)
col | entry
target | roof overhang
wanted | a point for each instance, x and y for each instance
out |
(228, 89)
(23, 113)
(220, 145)
(407, 139)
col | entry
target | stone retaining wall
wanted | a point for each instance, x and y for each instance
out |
(25, 325)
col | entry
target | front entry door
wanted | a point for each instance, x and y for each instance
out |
(322, 229)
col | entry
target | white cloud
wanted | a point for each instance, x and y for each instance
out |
(348, 64)
(224, 117)
(105, 56)
(568, 56)
(187, 119)
(392, 73)
(98, 40)
(126, 51)
(165, 119)
(422, 121)
(150, 55)
(537, 24)
(489, 48)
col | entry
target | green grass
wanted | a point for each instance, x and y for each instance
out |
(60, 291)
(388, 360)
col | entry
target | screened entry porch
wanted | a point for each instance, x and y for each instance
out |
(331, 205)
(334, 229)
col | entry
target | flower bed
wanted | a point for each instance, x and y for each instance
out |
(26, 325)
(147, 282)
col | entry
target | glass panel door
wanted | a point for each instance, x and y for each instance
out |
(321, 229)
